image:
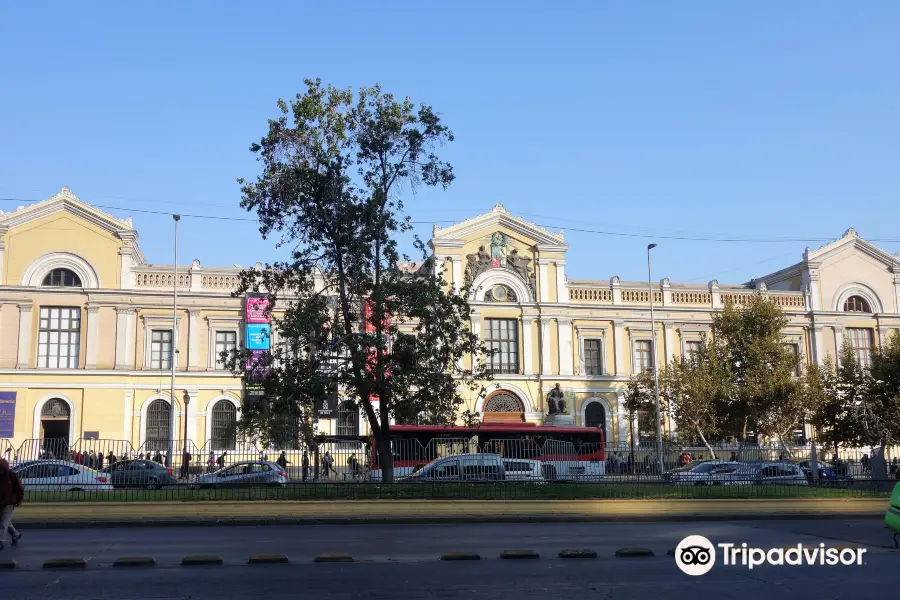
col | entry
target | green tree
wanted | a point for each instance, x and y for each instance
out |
(693, 388)
(749, 340)
(878, 414)
(356, 316)
(842, 389)
(640, 404)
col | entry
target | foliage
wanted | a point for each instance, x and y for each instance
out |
(878, 415)
(693, 388)
(760, 364)
(842, 389)
(357, 317)
(640, 403)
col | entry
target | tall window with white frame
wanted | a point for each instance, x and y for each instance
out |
(226, 341)
(161, 349)
(642, 359)
(861, 341)
(59, 337)
(593, 357)
(502, 340)
(692, 350)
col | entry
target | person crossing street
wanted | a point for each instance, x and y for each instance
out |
(11, 495)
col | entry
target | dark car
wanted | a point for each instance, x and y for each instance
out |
(140, 473)
(827, 475)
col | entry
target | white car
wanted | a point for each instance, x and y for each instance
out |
(60, 475)
(523, 469)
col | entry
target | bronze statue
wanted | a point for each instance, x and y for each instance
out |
(556, 401)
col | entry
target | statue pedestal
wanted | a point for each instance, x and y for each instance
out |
(559, 420)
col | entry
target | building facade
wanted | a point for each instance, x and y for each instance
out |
(87, 336)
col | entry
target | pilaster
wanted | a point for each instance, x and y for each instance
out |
(564, 326)
(194, 339)
(93, 337)
(527, 354)
(545, 346)
(23, 360)
(125, 337)
(620, 349)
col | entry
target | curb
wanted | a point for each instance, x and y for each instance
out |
(460, 556)
(578, 553)
(519, 554)
(194, 560)
(268, 559)
(633, 552)
(333, 557)
(135, 561)
(65, 563)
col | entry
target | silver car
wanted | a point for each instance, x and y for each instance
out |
(765, 473)
(252, 473)
(708, 472)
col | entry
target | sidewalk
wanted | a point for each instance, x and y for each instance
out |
(100, 514)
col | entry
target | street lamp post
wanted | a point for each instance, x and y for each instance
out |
(172, 348)
(184, 452)
(659, 444)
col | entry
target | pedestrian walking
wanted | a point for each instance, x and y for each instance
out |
(100, 459)
(111, 459)
(11, 495)
(305, 465)
(328, 462)
(221, 460)
(185, 465)
(211, 462)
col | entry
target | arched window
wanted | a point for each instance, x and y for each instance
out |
(857, 304)
(158, 425)
(503, 402)
(348, 419)
(595, 415)
(224, 418)
(62, 278)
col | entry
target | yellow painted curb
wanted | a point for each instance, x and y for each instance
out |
(633, 552)
(333, 557)
(458, 509)
(135, 561)
(65, 563)
(6, 565)
(460, 556)
(268, 559)
(201, 559)
(578, 553)
(514, 554)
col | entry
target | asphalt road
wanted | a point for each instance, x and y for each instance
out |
(401, 561)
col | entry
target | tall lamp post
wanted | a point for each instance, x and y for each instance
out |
(659, 444)
(186, 398)
(172, 348)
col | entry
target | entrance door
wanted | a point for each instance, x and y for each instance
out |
(55, 420)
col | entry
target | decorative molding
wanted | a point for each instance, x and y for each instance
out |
(857, 289)
(487, 279)
(498, 217)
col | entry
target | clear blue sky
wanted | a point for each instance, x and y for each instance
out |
(777, 119)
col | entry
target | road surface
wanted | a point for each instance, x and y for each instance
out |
(401, 561)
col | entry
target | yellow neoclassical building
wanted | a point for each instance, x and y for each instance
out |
(86, 325)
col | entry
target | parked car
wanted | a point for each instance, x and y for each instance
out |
(473, 468)
(765, 473)
(523, 469)
(827, 474)
(251, 473)
(707, 472)
(140, 473)
(60, 475)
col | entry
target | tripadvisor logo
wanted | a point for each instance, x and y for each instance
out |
(695, 555)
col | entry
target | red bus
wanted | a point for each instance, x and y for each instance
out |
(568, 453)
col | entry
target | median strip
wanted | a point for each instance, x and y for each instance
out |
(268, 559)
(633, 552)
(195, 560)
(65, 563)
(333, 557)
(519, 554)
(578, 553)
(135, 561)
(460, 556)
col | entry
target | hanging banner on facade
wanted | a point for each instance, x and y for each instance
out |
(256, 309)
(257, 339)
(326, 408)
(7, 414)
(258, 335)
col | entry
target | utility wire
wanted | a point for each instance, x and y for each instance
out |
(690, 238)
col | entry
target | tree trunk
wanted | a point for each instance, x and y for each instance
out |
(705, 443)
(783, 445)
